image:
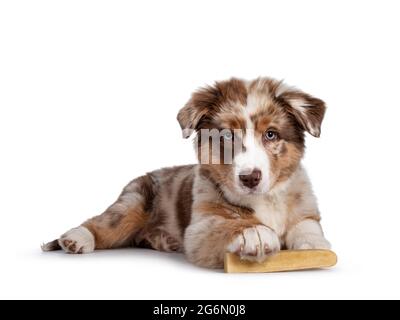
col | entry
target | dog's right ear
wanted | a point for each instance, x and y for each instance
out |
(200, 106)
(205, 103)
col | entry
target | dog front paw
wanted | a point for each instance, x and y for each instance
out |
(255, 244)
(77, 240)
(311, 241)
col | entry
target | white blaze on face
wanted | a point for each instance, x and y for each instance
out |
(253, 157)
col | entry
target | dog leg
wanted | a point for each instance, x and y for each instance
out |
(306, 234)
(211, 235)
(116, 227)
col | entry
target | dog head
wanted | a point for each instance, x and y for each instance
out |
(250, 135)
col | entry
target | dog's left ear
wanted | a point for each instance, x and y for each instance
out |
(308, 110)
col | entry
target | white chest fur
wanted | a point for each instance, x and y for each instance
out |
(272, 212)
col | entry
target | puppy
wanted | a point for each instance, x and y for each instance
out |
(248, 195)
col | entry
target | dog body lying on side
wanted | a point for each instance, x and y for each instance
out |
(248, 195)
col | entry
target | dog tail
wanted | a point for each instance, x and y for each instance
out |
(51, 246)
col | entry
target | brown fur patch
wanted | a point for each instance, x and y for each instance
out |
(223, 209)
(206, 102)
(231, 120)
(121, 234)
(218, 175)
(147, 190)
(286, 163)
(210, 252)
(184, 203)
(115, 219)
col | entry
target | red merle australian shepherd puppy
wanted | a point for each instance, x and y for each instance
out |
(248, 195)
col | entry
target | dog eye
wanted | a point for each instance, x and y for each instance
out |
(227, 135)
(271, 135)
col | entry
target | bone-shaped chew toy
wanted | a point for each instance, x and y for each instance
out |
(285, 260)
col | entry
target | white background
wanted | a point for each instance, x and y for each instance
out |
(89, 92)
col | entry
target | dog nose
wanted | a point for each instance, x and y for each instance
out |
(251, 180)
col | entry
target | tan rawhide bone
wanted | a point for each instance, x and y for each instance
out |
(285, 260)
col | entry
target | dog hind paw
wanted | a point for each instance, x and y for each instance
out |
(77, 240)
